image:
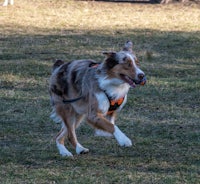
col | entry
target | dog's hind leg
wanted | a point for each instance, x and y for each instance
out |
(75, 120)
(60, 142)
(70, 120)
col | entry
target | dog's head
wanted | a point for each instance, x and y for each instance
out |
(124, 66)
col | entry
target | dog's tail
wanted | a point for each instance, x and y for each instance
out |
(54, 116)
(57, 64)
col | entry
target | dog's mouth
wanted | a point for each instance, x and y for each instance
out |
(133, 82)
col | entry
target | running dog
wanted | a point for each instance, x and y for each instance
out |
(95, 91)
(6, 2)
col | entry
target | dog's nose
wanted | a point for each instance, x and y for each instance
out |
(141, 76)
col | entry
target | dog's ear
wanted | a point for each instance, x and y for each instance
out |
(109, 54)
(57, 63)
(111, 59)
(128, 46)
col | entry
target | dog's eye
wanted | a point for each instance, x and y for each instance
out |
(130, 63)
(125, 58)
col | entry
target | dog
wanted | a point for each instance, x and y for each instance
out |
(95, 91)
(8, 1)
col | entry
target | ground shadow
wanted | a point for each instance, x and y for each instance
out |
(163, 117)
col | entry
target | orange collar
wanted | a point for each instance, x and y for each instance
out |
(114, 105)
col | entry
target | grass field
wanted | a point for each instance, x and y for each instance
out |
(163, 117)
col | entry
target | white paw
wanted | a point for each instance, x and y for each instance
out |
(126, 142)
(121, 138)
(102, 133)
(80, 149)
(63, 151)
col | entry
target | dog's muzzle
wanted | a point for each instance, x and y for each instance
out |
(141, 82)
(141, 79)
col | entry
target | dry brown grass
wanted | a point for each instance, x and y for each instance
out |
(32, 16)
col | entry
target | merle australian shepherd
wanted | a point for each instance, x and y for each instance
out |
(94, 91)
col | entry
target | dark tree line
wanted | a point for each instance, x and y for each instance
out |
(170, 1)
(151, 1)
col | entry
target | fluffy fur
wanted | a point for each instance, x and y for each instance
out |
(83, 89)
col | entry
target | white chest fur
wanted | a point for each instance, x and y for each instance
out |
(115, 88)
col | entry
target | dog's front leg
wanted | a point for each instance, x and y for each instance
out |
(100, 122)
(111, 118)
(122, 139)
